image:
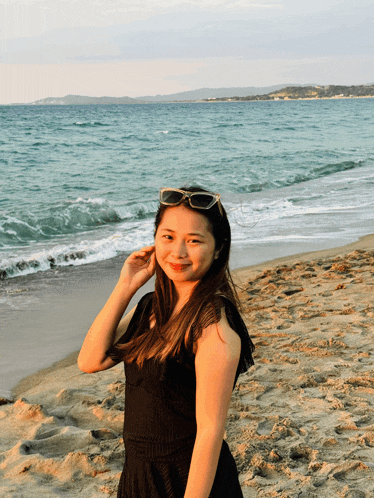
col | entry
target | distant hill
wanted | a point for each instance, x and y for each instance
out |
(308, 92)
(276, 92)
(209, 93)
(81, 100)
(202, 93)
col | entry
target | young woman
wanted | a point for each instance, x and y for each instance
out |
(183, 345)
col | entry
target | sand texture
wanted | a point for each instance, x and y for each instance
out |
(301, 421)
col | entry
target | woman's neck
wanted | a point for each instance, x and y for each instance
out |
(183, 291)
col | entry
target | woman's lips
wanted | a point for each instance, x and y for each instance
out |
(178, 267)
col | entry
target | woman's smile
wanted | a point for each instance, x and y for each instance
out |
(178, 267)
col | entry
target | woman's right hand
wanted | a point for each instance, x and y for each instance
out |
(136, 271)
(139, 267)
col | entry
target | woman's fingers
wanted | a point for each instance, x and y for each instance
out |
(140, 257)
(139, 267)
(147, 249)
(144, 251)
(152, 263)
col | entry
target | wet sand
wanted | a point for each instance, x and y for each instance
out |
(301, 421)
(46, 315)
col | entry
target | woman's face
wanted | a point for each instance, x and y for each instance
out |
(184, 244)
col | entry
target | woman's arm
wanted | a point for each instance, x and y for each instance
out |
(216, 362)
(106, 329)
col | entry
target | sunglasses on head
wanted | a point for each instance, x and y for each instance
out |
(197, 200)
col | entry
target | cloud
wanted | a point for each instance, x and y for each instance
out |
(32, 17)
(194, 37)
(243, 5)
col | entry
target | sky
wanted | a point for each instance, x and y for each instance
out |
(52, 48)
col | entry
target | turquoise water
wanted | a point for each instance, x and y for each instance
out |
(79, 184)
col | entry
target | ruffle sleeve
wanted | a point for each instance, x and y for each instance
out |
(236, 323)
(213, 315)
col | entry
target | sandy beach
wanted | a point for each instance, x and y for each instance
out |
(301, 421)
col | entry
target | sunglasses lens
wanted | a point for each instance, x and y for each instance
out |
(202, 201)
(171, 196)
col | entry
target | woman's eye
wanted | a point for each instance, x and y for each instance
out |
(196, 241)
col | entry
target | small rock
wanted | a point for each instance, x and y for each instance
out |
(5, 400)
(292, 291)
(340, 286)
(274, 457)
(103, 434)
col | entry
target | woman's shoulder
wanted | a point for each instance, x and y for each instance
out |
(235, 323)
(219, 333)
(220, 307)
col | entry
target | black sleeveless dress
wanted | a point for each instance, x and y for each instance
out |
(160, 420)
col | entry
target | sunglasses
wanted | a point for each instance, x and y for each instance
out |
(197, 200)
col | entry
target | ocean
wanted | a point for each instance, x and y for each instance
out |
(79, 184)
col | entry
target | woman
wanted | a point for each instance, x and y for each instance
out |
(183, 346)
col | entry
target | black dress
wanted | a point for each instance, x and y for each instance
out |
(160, 422)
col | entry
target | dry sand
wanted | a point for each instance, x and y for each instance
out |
(301, 421)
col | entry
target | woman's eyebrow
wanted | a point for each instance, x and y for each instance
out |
(190, 234)
(197, 234)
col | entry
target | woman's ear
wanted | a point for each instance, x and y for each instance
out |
(217, 251)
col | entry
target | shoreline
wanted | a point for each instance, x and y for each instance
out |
(364, 243)
(46, 314)
(283, 99)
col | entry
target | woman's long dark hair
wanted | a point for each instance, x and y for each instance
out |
(170, 336)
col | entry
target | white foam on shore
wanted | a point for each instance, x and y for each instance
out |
(87, 249)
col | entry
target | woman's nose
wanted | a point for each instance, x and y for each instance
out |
(179, 249)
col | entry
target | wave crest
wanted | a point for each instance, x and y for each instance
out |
(95, 247)
(69, 217)
(313, 174)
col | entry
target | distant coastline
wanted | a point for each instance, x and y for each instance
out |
(307, 93)
(275, 93)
